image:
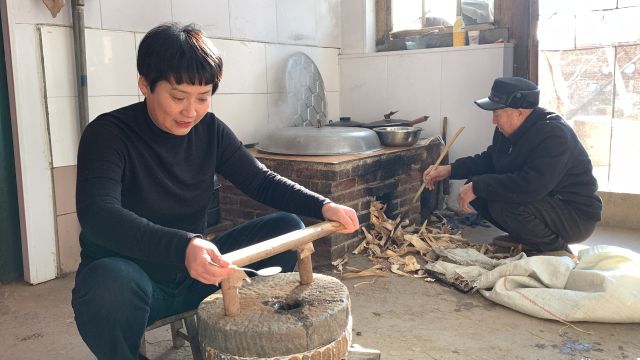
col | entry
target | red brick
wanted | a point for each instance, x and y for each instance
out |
(382, 188)
(321, 187)
(368, 178)
(348, 196)
(342, 185)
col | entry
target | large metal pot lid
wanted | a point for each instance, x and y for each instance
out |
(320, 141)
(388, 121)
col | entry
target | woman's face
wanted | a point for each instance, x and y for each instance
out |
(176, 108)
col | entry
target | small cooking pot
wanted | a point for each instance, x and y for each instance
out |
(388, 121)
(398, 135)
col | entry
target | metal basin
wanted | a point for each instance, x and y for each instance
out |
(320, 141)
(398, 135)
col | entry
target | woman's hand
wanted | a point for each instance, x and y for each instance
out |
(205, 263)
(434, 174)
(342, 214)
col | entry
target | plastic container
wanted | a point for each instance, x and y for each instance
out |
(458, 32)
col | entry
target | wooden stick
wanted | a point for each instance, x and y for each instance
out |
(288, 241)
(444, 152)
(230, 287)
(305, 267)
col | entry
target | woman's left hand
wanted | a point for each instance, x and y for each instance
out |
(342, 214)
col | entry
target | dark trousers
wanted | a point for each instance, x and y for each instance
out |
(547, 224)
(114, 299)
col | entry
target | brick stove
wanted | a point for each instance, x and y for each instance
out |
(390, 175)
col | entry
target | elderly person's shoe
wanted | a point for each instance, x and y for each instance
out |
(506, 241)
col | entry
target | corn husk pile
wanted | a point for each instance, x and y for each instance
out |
(402, 248)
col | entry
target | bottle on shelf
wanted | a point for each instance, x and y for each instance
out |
(459, 32)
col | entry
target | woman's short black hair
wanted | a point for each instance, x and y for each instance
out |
(178, 53)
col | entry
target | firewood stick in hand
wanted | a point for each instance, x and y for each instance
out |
(442, 155)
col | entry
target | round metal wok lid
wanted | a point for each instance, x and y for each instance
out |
(320, 141)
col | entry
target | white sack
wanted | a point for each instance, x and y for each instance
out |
(603, 287)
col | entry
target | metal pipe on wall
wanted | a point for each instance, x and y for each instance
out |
(79, 47)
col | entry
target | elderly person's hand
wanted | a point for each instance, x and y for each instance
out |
(205, 263)
(465, 196)
(342, 214)
(434, 174)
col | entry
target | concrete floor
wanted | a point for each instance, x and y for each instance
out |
(405, 318)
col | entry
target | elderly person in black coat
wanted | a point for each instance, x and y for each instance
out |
(534, 181)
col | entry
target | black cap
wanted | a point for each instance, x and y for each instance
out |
(511, 92)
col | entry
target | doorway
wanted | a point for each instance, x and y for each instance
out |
(589, 66)
(10, 246)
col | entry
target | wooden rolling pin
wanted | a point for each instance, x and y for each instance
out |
(442, 155)
(276, 245)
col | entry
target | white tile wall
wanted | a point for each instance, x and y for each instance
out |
(352, 26)
(110, 53)
(333, 105)
(253, 20)
(58, 60)
(326, 59)
(211, 15)
(64, 130)
(35, 12)
(138, 37)
(102, 104)
(416, 75)
(134, 15)
(328, 23)
(296, 24)
(244, 69)
(363, 88)
(245, 114)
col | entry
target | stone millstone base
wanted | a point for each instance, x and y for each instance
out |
(279, 318)
(337, 350)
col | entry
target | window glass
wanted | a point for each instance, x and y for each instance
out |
(589, 72)
(416, 14)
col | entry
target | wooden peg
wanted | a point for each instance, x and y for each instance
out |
(230, 297)
(305, 267)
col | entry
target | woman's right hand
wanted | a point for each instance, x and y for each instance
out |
(434, 174)
(205, 263)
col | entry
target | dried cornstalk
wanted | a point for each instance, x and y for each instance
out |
(372, 271)
(387, 241)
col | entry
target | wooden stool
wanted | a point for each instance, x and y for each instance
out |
(177, 336)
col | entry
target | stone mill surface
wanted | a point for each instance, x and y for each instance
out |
(279, 318)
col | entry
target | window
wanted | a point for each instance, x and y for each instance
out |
(418, 14)
(589, 71)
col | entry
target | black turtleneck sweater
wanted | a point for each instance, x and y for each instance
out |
(142, 193)
(542, 157)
